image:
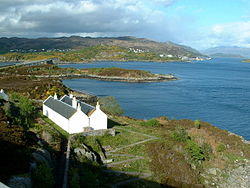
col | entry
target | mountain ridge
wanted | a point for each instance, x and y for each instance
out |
(16, 44)
(228, 51)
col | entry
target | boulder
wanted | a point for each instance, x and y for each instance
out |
(46, 136)
(86, 152)
(43, 156)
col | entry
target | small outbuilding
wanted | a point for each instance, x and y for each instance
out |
(73, 115)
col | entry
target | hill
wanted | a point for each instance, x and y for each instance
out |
(126, 44)
(228, 51)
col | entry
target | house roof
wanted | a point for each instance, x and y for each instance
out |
(60, 107)
(66, 99)
(86, 108)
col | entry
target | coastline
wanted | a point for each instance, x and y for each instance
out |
(58, 62)
(156, 78)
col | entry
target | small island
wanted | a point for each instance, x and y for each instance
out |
(246, 61)
(110, 74)
(126, 75)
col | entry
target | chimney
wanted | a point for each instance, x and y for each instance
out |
(55, 96)
(74, 103)
(78, 107)
(97, 105)
(71, 95)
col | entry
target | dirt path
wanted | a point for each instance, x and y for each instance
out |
(139, 175)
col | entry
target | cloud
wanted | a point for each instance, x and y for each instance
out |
(233, 34)
(164, 2)
(140, 18)
(85, 17)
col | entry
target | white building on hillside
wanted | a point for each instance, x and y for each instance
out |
(74, 116)
(4, 95)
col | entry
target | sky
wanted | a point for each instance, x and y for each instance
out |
(200, 24)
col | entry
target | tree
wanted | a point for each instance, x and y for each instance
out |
(110, 105)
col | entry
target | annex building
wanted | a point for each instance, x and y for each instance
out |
(73, 115)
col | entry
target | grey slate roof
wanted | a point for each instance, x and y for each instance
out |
(86, 108)
(60, 107)
(66, 99)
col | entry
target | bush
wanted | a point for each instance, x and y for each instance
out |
(110, 105)
(195, 151)
(221, 147)
(43, 177)
(207, 150)
(197, 124)
(180, 134)
(151, 123)
(20, 110)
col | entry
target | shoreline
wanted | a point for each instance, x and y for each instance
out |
(157, 78)
(58, 62)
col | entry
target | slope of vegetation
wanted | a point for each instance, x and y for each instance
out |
(29, 153)
(63, 44)
(181, 153)
(93, 53)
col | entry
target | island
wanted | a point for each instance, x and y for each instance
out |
(246, 61)
(110, 74)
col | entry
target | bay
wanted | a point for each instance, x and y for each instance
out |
(216, 91)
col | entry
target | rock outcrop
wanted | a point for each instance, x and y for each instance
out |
(85, 151)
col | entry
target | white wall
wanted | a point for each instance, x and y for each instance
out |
(77, 122)
(98, 120)
(56, 118)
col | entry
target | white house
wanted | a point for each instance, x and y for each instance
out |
(74, 116)
(4, 95)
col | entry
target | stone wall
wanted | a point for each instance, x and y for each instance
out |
(100, 132)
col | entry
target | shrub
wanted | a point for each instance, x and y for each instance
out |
(151, 123)
(110, 105)
(207, 150)
(197, 124)
(221, 147)
(195, 151)
(180, 134)
(43, 177)
(20, 110)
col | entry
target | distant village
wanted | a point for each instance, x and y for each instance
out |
(40, 50)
